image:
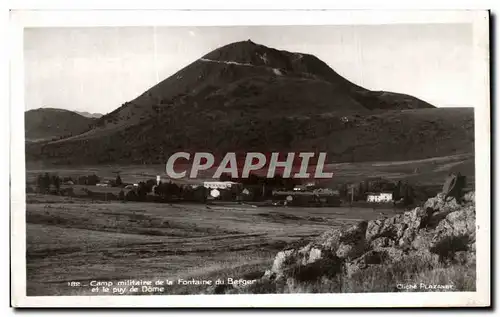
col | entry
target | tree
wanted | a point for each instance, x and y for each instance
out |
(82, 180)
(92, 179)
(131, 196)
(43, 185)
(367, 186)
(167, 190)
(396, 193)
(343, 191)
(252, 179)
(409, 195)
(142, 191)
(402, 190)
(225, 177)
(361, 191)
(149, 184)
(406, 192)
(56, 181)
(118, 181)
(46, 182)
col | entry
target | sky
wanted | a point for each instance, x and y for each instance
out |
(97, 69)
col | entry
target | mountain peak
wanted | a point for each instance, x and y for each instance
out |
(248, 53)
(241, 51)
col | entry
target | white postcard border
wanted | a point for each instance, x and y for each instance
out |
(479, 19)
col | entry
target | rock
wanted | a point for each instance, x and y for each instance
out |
(309, 254)
(422, 240)
(382, 242)
(464, 257)
(303, 263)
(372, 257)
(382, 228)
(352, 242)
(380, 256)
(470, 197)
(269, 275)
(330, 239)
(351, 251)
(400, 230)
(374, 230)
(314, 255)
(439, 208)
(282, 259)
(407, 237)
(472, 246)
(441, 231)
(392, 254)
(353, 234)
(414, 220)
(458, 223)
(454, 233)
(303, 254)
(397, 227)
(414, 217)
(327, 266)
(439, 203)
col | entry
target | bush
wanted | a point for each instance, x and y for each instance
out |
(447, 247)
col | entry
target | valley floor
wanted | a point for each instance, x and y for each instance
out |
(78, 240)
(75, 240)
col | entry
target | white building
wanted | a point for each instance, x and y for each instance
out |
(219, 185)
(379, 197)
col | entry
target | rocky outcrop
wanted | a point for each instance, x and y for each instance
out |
(442, 230)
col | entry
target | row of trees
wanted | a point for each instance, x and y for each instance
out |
(164, 192)
(51, 183)
(45, 181)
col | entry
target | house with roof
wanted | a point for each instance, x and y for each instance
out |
(381, 197)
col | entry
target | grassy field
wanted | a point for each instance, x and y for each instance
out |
(430, 171)
(76, 240)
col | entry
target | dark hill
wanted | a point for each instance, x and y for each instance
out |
(52, 123)
(246, 96)
(265, 81)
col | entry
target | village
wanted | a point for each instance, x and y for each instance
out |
(254, 190)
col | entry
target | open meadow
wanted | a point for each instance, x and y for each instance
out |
(76, 240)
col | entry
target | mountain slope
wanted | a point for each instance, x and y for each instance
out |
(52, 123)
(88, 114)
(246, 96)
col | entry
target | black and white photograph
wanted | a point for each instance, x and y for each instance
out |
(348, 158)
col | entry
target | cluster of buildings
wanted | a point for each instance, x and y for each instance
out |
(299, 196)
